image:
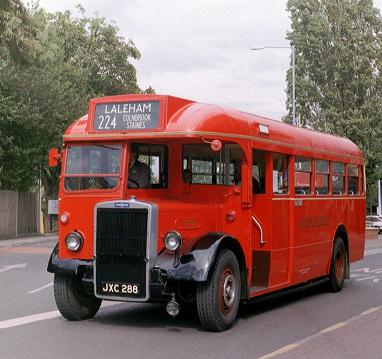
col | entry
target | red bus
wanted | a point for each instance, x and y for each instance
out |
(165, 199)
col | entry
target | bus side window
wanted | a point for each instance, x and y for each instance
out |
(353, 180)
(258, 171)
(361, 180)
(322, 177)
(302, 175)
(280, 173)
(338, 178)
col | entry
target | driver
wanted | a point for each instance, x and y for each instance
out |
(139, 172)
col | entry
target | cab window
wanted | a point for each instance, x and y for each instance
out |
(148, 166)
(92, 167)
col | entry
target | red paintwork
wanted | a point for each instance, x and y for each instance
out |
(298, 238)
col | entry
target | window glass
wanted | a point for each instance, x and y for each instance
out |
(148, 167)
(201, 165)
(338, 168)
(100, 162)
(353, 179)
(338, 178)
(322, 177)
(322, 166)
(362, 179)
(280, 173)
(258, 171)
(303, 164)
(302, 175)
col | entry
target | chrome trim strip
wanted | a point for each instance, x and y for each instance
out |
(151, 248)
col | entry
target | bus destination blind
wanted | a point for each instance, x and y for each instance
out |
(124, 116)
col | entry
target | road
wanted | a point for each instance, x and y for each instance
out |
(310, 324)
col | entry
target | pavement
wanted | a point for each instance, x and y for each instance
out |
(51, 237)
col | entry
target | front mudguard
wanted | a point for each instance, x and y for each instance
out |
(65, 266)
(192, 266)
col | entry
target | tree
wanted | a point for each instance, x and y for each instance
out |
(16, 30)
(338, 62)
(69, 60)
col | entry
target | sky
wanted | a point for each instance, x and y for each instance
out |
(200, 49)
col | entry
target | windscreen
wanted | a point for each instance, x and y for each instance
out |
(91, 167)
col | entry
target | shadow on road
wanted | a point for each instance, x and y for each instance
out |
(155, 316)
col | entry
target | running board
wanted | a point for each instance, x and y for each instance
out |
(287, 291)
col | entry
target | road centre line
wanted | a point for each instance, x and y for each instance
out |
(332, 328)
(41, 288)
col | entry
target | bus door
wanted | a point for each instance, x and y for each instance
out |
(270, 220)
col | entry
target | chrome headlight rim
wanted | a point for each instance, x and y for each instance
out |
(77, 239)
(169, 242)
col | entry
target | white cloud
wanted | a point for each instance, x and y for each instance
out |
(199, 49)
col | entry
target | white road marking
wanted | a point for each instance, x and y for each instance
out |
(41, 288)
(14, 266)
(5, 324)
(332, 328)
(11, 323)
(365, 278)
(370, 252)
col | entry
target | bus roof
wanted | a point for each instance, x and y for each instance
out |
(177, 117)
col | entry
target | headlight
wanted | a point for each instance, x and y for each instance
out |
(173, 240)
(74, 241)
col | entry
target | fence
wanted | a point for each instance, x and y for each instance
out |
(19, 214)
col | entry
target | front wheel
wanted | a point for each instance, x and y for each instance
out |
(218, 298)
(71, 300)
(338, 265)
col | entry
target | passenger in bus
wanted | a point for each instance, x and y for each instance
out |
(255, 185)
(139, 172)
(237, 174)
(187, 176)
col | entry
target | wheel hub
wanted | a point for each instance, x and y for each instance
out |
(229, 289)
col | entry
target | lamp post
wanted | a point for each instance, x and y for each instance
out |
(293, 75)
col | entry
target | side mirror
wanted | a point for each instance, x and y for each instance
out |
(53, 157)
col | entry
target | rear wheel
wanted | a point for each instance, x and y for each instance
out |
(338, 266)
(218, 298)
(71, 300)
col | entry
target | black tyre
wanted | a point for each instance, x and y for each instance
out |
(338, 266)
(71, 300)
(218, 298)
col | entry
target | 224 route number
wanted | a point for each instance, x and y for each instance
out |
(106, 123)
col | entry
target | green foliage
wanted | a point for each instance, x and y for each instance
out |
(16, 30)
(338, 62)
(66, 60)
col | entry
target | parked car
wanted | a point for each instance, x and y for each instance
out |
(374, 221)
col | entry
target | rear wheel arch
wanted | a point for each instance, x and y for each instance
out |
(342, 233)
